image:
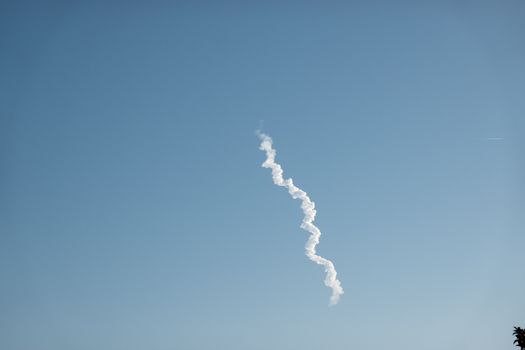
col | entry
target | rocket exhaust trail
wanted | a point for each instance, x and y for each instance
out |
(309, 211)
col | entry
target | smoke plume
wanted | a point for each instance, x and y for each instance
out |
(309, 211)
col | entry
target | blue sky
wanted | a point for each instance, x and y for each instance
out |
(135, 213)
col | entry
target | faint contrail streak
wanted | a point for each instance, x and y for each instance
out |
(309, 211)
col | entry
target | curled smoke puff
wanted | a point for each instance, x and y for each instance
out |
(309, 211)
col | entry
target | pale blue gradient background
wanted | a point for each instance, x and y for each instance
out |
(135, 214)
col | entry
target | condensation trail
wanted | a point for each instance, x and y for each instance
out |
(309, 211)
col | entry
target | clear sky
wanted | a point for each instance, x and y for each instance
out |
(134, 213)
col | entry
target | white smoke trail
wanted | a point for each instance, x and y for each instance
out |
(309, 211)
